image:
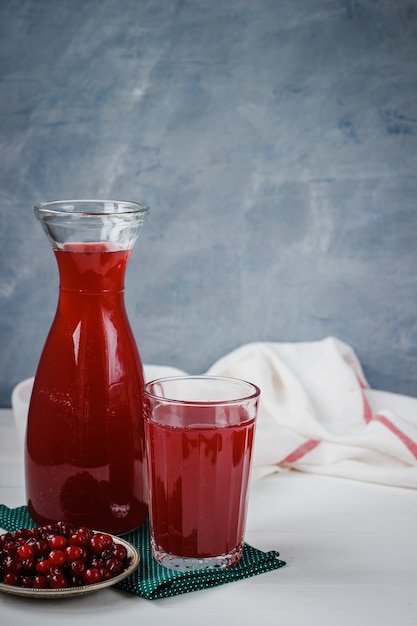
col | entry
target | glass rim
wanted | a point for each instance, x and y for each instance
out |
(69, 207)
(205, 377)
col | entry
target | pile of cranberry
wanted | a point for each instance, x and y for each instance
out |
(58, 556)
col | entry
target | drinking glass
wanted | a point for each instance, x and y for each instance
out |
(199, 439)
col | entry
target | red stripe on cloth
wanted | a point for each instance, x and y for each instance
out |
(301, 451)
(367, 411)
(409, 443)
(369, 416)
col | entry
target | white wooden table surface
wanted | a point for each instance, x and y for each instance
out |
(350, 548)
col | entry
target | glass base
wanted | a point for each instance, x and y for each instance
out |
(187, 563)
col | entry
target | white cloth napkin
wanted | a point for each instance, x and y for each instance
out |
(318, 414)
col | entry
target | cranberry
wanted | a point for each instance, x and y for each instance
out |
(107, 541)
(77, 568)
(12, 565)
(91, 575)
(96, 562)
(79, 538)
(39, 581)
(106, 554)
(49, 528)
(7, 537)
(26, 551)
(84, 554)
(57, 581)
(97, 544)
(26, 581)
(28, 566)
(41, 547)
(9, 548)
(75, 581)
(105, 574)
(65, 528)
(74, 553)
(57, 542)
(43, 566)
(20, 541)
(120, 552)
(57, 557)
(114, 566)
(11, 579)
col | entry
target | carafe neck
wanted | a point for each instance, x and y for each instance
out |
(92, 267)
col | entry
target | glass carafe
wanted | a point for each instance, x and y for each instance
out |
(84, 457)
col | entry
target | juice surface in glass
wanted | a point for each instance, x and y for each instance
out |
(85, 438)
(199, 477)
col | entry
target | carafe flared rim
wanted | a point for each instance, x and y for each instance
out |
(90, 207)
(85, 221)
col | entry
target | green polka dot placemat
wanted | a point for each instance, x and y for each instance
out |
(153, 581)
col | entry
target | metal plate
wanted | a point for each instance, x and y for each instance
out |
(69, 592)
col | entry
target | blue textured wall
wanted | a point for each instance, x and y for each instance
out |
(274, 140)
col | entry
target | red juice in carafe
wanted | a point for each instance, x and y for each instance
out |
(199, 476)
(85, 438)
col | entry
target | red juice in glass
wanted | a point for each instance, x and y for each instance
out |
(199, 459)
(85, 437)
